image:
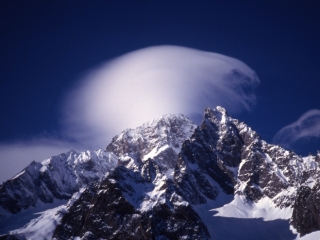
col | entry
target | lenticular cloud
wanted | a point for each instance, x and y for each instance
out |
(308, 125)
(148, 83)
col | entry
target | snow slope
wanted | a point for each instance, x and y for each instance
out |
(41, 185)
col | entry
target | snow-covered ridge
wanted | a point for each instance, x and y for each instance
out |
(57, 177)
(160, 139)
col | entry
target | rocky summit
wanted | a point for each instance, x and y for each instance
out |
(168, 179)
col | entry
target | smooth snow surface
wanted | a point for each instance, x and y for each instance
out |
(17, 221)
(265, 208)
(310, 236)
(42, 227)
(230, 218)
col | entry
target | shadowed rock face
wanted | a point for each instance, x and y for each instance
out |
(114, 209)
(231, 154)
(207, 156)
(306, 210)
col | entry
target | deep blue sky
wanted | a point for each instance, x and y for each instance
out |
(46, 46)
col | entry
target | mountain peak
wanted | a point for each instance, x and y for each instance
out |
(217, 115)
(170, 174)
(217, 109)
(157, 139)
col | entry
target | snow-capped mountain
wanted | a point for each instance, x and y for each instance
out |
(171, 179)
(160, 140)
(42, 184)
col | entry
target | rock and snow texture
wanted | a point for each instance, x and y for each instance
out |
(171, 179)
(160, 139)
(132, 205)
(55, 178)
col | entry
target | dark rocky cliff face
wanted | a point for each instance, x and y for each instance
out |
(118, 209)
(232, 155)
(306, 209)
(305, 217)
(207, 156)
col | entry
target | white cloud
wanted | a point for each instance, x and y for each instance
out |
(148, 83)
(307, 126)
(135, 88)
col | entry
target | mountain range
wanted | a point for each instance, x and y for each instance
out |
(168, 179)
